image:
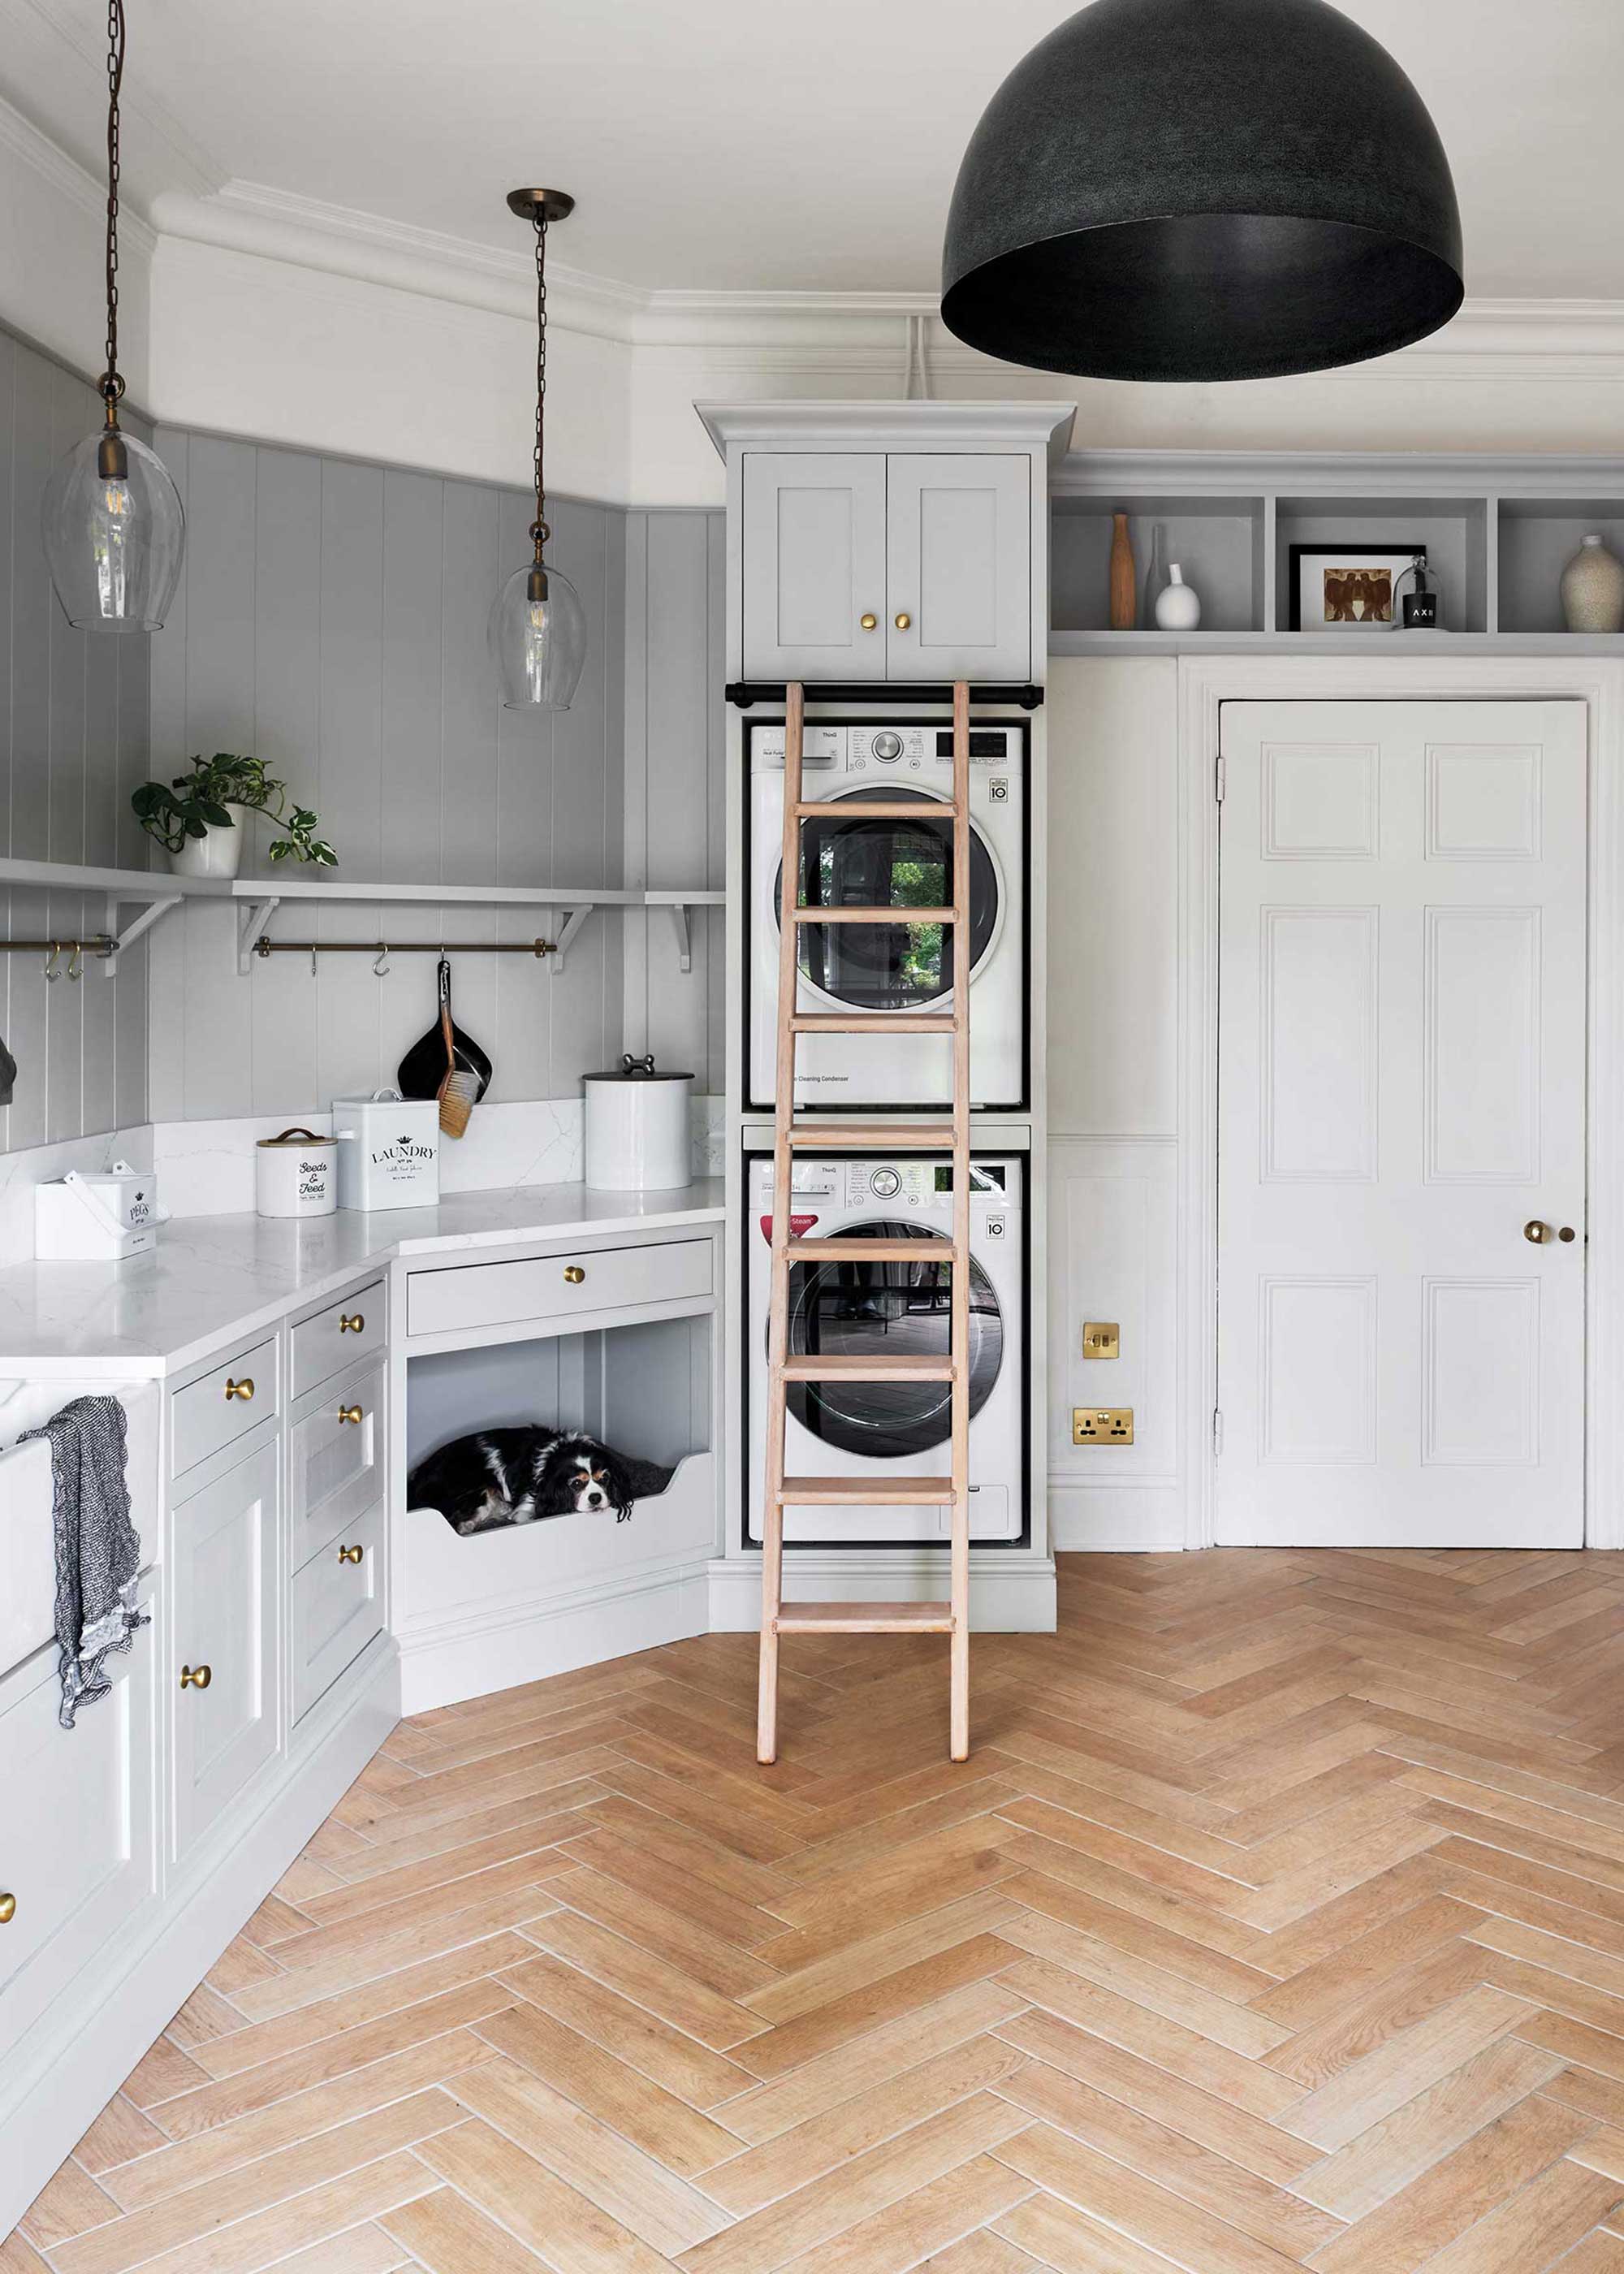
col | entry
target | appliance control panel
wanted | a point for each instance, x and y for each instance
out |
(914, 1183)
(890, 746)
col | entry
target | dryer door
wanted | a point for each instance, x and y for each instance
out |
(848, 861)
(883, 1310)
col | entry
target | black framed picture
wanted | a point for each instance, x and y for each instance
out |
(1335, 588)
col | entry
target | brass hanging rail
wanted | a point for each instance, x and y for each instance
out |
(383, 949)
(101, 944)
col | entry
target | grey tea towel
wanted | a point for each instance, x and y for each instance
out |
(98, 1553)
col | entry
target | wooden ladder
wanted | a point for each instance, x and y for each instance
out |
(790, 1136)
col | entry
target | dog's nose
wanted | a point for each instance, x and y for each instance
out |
(595, 1497)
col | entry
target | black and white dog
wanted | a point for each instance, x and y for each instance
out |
(517, 1476)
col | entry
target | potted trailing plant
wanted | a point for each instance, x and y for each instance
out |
(200, 819)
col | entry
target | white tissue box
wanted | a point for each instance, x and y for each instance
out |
(97, 1216)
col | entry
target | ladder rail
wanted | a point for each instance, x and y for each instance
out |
(959, 1551)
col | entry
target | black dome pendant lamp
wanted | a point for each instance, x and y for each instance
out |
(1202, 190)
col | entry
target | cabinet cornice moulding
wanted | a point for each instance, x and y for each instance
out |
(893, 424)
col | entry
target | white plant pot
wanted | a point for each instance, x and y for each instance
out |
(217, 853)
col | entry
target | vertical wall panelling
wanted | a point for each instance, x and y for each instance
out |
(72, 735)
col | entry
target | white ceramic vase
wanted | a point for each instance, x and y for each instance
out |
(1593, 589)
(219, 854)
(1178, 608)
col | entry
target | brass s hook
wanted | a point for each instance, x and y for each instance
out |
(382, 967)
(51, 972)
(76, 963)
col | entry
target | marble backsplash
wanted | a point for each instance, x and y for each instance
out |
(206, 1168)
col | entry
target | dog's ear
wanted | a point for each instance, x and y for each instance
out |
(555, 1475)
(616, 1480)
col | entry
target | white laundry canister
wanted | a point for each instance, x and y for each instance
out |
(389, 1150)
(296, 1174)
(637, 1137)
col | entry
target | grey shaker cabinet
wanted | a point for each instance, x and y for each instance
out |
(896, 567)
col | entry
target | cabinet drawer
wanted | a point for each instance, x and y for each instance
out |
(335, 1464)
(76, 1846)
(337, 1607)
(555, 1287)
(218, 1407)
(224, 1595)
(337, 1337)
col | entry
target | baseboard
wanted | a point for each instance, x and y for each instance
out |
(469, 1658)
(1015, 1597)
(116, 2010)
(1115, 1519)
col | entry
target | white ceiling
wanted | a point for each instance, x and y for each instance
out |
(755, 145)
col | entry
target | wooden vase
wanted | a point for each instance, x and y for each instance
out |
(1123, 594)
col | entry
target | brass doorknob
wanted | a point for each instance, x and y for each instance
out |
(351, 1326)
(243, 1388)
(351, 1555)
(1536, 1232)
(575, 1273)
(902, 622)
(8, 1910)
(869, 623)
(196, 1678)
(349, 1413)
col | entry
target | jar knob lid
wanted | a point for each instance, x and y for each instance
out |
(629, 1064)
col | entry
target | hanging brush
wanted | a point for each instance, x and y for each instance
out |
(459, 1089)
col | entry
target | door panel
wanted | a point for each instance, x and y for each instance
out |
(814, 565)
(959, 567)
(1401, 1047)
(225, 1619)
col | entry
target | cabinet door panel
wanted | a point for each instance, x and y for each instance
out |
(959, 567)
(814, 566)
(225, 1618)
(334, 1463)
(336, 1609)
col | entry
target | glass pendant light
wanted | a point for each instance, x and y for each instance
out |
(114, 526)
(537, 627)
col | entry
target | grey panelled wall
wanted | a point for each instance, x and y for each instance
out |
(73, 729)
(332, 621)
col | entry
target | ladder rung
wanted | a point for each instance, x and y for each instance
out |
(905, 1367)
(872, 1022)
(872, 1251)
(879, 809)
(864, 1492)
(865, 1618)
(891, 915)
(928, 1136)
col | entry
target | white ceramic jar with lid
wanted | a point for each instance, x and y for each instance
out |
(296, 1174)
(637, 1137)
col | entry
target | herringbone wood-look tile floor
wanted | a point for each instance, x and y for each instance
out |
(1277, 1921)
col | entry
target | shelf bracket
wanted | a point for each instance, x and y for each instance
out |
(681, 916)
(134, 930)
(573, 918)
(252, 919)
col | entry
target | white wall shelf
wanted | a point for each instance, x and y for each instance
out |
(260, 898)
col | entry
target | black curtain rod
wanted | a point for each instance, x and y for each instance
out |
(746, 692)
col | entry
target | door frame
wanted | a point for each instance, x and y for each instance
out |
(1204, 685)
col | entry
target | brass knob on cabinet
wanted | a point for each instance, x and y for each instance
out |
(196, 1678)
(351, 1326)
(349, 1413)
(869, 623)
(575, 1273)
(351, 1555)
(243, 1388)
(902, 622)
(1536, 1232)
(8, 1910)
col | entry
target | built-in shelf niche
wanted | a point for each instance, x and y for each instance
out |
(1536, 538)
(1452, 531)
(1219, 543)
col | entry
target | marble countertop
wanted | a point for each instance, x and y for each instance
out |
(213, 1279)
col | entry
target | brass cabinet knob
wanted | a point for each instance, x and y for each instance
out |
(8, 1910)
(243, 1388)
(902, 622)
(869, 623)
(196, 1678)
(351, 1326)
(1536, 1232)
(349, 1413)
(351, 1555)
(575, 1273)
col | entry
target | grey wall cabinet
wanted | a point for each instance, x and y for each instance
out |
(887, 567)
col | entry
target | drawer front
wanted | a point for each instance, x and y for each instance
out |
(77, 1853)
(337, 1607)
(225, 1404)
(224, 1580)
(554, 1287)
(335, 1464)
(335, 1337)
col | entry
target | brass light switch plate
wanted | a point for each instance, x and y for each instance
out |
(1101, 1339)
(1101, 1425)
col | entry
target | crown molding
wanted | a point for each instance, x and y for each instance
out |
(64, 175)
(1043, 426)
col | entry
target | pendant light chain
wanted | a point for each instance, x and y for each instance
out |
(539, 528)
(111, 386)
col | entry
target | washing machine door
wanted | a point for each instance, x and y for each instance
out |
(849, 861)
(887, 1310)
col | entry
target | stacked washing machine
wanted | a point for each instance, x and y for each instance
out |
(894, 1429)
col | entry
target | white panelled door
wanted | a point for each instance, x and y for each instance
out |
(1401, 1087)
